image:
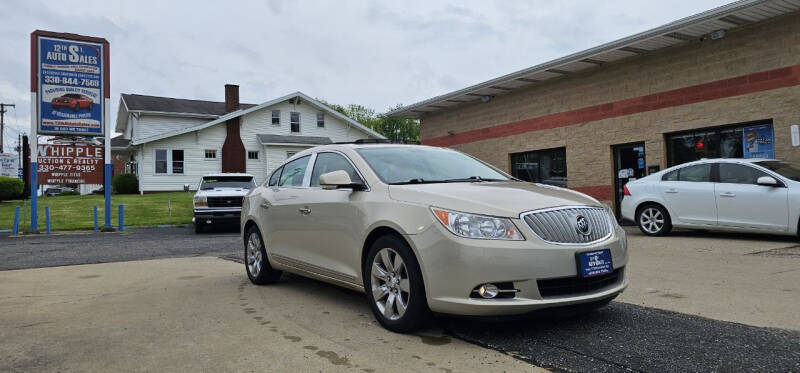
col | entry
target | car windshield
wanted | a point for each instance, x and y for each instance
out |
(418, 165)
(212, 182)
(785, 169)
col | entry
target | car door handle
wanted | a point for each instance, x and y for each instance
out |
(265, 205)
(305, 211)
(671, 191)
(727, 194)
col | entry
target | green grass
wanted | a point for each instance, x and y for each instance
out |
(75, 212)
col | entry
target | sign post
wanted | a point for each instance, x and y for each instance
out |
(69, 97)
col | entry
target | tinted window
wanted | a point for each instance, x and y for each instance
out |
(293, 173)
(211, 182)
(670, 176)
(785, 169)
(696, 173)
(329, 162)
(541, 166)
(403, 164)
(273, 180)
(732, 173)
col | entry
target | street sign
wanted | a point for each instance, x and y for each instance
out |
(70, 164)
(8, 164)
(71, 83)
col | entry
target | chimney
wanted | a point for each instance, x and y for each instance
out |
(231, 97)
(233, 153)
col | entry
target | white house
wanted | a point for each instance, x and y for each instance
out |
(169, 142)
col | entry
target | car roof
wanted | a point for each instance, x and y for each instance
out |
(231, 174)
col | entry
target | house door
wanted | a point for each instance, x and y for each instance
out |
(629, 165)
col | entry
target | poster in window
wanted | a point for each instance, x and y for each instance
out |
(758, 142)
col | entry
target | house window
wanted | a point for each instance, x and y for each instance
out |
(542, 166)
(320, 120)
(161, 161)
(276, 117)
(177, 161)
(211, 154)
(252, 154)
(294, 121)
(290, 154)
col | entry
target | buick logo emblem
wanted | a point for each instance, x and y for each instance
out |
(582, 225)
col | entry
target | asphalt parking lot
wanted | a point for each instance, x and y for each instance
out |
(697, 302)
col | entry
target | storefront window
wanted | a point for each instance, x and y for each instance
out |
(719, 142)
(541, 166)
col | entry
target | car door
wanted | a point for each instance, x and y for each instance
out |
(283, 225)
(689, 194)
(335, 218)
(742, 203)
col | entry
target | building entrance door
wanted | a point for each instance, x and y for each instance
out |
(629, 165)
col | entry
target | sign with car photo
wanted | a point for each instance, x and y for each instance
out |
(70, 86)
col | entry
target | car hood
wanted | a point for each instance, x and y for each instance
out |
(507, 199)
(223, 192)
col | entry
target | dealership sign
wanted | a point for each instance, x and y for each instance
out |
(70, 164)
(71, 81)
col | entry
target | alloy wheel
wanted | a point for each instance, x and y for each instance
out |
(254, 257)
(391, 289)
(652, 220)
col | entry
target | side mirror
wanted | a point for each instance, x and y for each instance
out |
(338, 180)
(767, 181)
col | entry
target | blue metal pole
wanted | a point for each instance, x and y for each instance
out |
(95, 218)
(16, 220)
(47, 218)
(107, 190)
(34, 205)
(121, 217)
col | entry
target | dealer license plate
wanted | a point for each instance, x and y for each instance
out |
(594, 263)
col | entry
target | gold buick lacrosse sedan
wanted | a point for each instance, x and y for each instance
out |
(425, 230)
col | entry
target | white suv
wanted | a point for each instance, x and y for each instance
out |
(219, 199)
(423, 229)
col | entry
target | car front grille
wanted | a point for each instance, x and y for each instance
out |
(576, 285)
(562, 225)
(225, 201)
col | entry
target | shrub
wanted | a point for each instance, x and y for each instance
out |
(10, 188)
(125, 184)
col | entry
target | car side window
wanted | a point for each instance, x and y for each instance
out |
(273, 180)
(697, 173)
(732, 173)
(670, 176)
(293, 173)
(329, 162)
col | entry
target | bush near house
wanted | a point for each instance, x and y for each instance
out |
(125, 184)
(10, 188)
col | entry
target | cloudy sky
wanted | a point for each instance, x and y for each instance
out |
(375, 53)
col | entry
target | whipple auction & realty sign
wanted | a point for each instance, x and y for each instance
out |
(70, 164)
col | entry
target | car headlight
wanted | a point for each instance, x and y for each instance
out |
(200, 201)
(477, 226)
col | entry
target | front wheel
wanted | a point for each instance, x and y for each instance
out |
(654, 220)
(393, 283)
(259, 271)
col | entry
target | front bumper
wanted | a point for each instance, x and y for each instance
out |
(453, 266)
(211, 216)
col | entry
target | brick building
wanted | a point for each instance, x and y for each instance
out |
(722, 83)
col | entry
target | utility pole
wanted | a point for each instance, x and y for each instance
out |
(2, 123)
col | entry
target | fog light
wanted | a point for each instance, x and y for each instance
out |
(488, 291)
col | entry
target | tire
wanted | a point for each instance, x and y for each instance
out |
(256, 264)
(401, 305)
(77, 107)
(654, 220)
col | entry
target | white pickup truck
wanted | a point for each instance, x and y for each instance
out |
(219, 199)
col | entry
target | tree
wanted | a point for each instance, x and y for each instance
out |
(397, 129)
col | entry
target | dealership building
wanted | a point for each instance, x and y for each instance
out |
(722, 83)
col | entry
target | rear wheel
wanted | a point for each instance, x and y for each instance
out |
(653, 220)
(393, 283)
(259, 271)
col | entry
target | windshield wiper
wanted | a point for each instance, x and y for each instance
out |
(470, 179)
(417, 180)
